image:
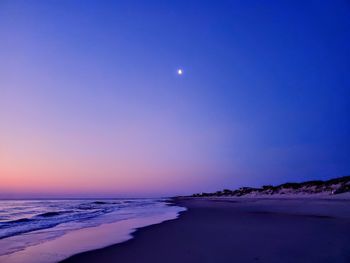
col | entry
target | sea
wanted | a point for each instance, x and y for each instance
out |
(46, 231)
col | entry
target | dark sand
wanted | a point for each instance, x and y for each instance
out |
(240, 231)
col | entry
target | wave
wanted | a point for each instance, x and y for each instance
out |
(60, 212)
(21, 220)
(53, 218)
(100, 203)
(7, 224)
(50, 214)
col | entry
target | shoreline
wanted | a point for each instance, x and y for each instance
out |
(132, 235)
(61, 242)
(246, 230)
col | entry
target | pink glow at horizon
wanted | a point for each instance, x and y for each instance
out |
(41, 162)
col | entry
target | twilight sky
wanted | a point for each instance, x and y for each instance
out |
(91, 105)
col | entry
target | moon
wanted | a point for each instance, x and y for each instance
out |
(180, 71)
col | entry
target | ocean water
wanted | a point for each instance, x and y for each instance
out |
(51, 230)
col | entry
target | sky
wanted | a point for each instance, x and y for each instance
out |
(91, 104)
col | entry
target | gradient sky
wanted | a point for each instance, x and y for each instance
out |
(91, 105)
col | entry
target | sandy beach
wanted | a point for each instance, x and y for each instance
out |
(240, 230)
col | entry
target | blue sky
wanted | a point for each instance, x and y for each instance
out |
(89, 93)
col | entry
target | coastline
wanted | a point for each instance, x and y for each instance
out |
(54, 244)
(241, 229)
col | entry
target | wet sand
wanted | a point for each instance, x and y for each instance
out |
(240, 230)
